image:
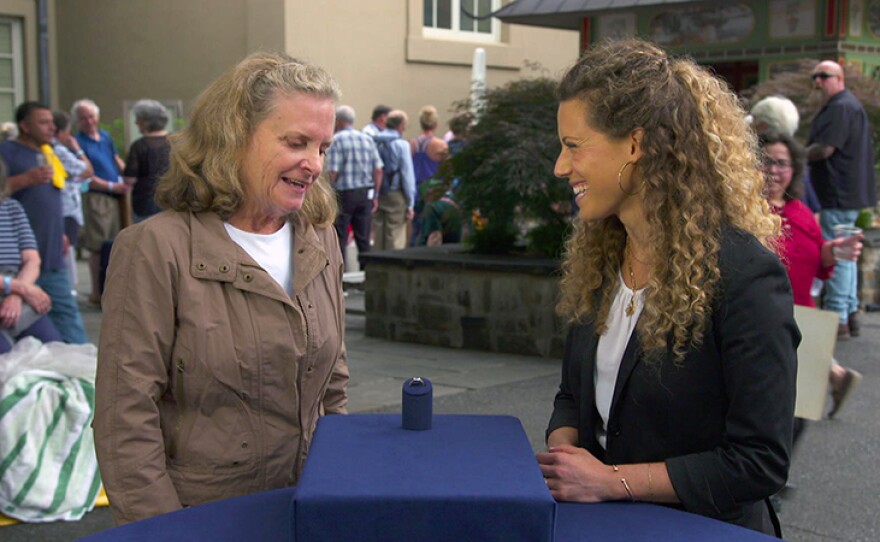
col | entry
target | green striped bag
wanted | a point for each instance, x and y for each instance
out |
(48, 468)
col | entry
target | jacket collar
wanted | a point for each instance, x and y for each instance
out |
(216, 257)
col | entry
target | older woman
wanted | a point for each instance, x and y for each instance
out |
(678, 379)
(148, 157)
(23, 304)
(222, 336)
(804, 252)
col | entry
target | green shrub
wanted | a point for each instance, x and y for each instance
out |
(506, 172)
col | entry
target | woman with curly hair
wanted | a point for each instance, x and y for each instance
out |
(222, 337)
(678, 379)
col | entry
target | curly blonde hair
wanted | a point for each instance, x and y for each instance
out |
(700, 171)
(206, 156)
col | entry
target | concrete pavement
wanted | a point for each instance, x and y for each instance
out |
(838, 484)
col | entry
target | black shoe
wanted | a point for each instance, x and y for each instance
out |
(855, 326)
(840, 393)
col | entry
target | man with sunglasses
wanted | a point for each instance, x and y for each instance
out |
(841, 160)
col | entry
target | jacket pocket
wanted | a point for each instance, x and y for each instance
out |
(179, 391)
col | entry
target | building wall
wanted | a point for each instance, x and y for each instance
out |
(111, 51)
(377, 53)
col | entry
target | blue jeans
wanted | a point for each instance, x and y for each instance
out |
(65, 313)
(841, 290)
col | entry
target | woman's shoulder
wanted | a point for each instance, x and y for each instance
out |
(798, 208)
(11, 205)
(168, 227)
(743, 255)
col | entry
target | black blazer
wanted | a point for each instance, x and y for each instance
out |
(722, 419)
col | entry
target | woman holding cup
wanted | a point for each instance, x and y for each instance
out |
(804, 252)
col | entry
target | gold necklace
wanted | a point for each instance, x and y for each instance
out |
(631, 306)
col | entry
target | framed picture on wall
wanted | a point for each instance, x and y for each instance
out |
(792, 18)
(856, 19)
(616, 26)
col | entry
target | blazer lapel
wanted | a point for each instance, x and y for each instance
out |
(584, 344)
(631, 357)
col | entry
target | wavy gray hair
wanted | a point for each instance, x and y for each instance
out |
(84, 102)
(152, 113)
(776, 113)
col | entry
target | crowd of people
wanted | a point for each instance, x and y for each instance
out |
(66, 175)
(382, 179)
(222, 340)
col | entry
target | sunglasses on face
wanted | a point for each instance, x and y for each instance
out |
(822, 75)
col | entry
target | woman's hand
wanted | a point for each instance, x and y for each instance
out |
(10, 310)
(574, 474)
(847, 248)
(34, 296)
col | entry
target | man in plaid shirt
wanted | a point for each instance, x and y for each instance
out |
(354, 168)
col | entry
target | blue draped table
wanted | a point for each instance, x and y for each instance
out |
(367, 479)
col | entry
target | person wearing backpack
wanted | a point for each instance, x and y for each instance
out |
(397, 193)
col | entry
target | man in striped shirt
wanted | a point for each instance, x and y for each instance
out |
(355, 169)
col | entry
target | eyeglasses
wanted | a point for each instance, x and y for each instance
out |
(822, 75)
(772, 162)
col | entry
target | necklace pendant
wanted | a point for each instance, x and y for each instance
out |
(631, 308)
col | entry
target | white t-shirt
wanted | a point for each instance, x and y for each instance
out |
(609, 352)
(271, 251)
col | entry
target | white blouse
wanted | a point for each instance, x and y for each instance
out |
(612, 344)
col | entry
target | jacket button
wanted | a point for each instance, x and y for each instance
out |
(310, 369)
(617, 433)
(244, 444)
(224, 268)
(201, 266)
(248, 277)
(300, 251)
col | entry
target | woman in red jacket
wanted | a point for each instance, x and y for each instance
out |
(804, 252)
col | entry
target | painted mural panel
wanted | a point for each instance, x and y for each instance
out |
(856, 20)
(702, 25)
(874, 18)
(616, 26)
(792, 18)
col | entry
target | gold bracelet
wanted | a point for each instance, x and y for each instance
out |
(623, 481)
(650, 484)
(628, 490)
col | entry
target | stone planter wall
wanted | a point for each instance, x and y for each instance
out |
(444, 297)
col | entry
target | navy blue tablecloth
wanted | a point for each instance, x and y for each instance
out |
(467, 478)
(366, 479)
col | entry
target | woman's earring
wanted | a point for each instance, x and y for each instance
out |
(620, 179)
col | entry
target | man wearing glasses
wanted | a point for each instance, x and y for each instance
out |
(841, 161)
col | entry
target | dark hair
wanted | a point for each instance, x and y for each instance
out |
(61, 120)
(24, 111)
(380, 110)
(795, 189)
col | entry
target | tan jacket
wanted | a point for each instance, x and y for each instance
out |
(210, 377)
